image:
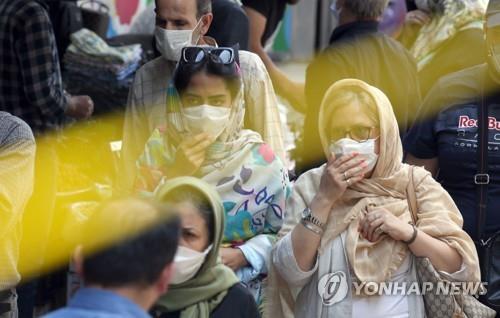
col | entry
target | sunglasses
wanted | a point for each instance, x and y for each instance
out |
(198, 54)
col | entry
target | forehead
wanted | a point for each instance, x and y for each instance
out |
(176, 8)
(188, 213)
(351, 112)
(202, 82)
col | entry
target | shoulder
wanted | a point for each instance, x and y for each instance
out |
(28, 10)
(264, 155)
(250, 61)
(154, 69)
(309, 181)
(238, 299)
(455, 89)
(14, 130)
(260, 6)
(22, 12)
(420, 175)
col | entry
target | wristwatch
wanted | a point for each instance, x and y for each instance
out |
(307, 216)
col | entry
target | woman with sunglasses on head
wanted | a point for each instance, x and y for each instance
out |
(201, 286)
(204, 138)
(350, 218)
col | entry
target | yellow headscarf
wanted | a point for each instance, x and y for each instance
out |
(456, 15)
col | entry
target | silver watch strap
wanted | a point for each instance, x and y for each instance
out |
(312, 227)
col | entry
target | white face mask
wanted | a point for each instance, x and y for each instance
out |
(171, 42)
(187, 263)
(423, 5)
(366, 150)
(206, 118)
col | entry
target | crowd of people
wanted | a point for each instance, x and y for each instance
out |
(393, 183)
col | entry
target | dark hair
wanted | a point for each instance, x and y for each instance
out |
(230, 74)
(194, 196)
(202, 7)
(139, 260)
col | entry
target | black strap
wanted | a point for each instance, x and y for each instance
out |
(5, 306)
(482, 178)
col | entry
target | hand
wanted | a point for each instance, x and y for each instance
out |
(233, 258)
(190, 155)
(338, 176)
(379, 221)
(417, 18)
(80, 107)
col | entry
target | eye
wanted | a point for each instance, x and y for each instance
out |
(180, 23)
(160, 22)
(192, 101)
(218, 101)
(187, 234)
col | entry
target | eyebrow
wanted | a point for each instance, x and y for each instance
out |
(218, 96)
(191, 95)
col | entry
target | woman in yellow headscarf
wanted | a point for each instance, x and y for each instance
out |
(350, 219)
(444, 36)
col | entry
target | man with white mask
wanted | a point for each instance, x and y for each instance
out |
(182, 23)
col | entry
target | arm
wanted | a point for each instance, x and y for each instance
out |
(441, 255)
(292, 91)
(439, 230)
(258, 249)
(332, 186)
(37, 55)
(134, 137)
(16, 175)
(261, 104)
(148, 166)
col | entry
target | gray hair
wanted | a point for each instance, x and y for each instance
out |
(367, 9)
(203, 7)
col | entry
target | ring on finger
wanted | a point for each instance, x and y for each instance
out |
(348, 181)
(345, 176)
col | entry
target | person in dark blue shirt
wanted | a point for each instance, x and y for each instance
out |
(125, 262)
(449, 141)
(445, 140)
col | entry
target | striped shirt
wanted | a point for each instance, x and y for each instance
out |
(17, 157)
(30, 77)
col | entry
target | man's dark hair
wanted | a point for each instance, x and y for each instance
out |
(137, 261)
(202, 7)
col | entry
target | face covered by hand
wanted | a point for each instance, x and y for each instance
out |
(207, 118)
(366, 150)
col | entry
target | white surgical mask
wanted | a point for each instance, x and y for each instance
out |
(171, 42)
(187, 263)
(206, 118)
(366, 150)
